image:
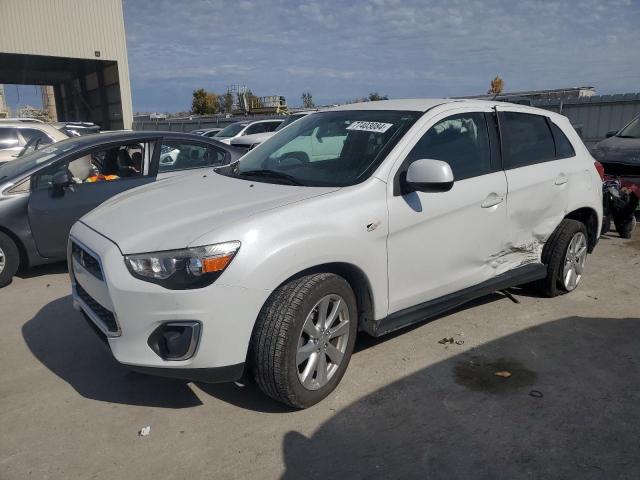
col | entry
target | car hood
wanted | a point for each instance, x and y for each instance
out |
(618, 149)
(247, 140)
(170, 214)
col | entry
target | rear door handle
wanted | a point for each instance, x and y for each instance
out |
(492, 200)
(561, 179)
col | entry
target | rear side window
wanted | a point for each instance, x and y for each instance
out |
(526, 139)
(8, 137)
(255, 128)
(564, 149)
(271, 126)
(460, 140)
(31, 133)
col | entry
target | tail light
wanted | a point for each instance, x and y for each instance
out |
(600, 169)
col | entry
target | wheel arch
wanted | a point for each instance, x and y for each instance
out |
(589, 217)
(358, 281)
(24, 257)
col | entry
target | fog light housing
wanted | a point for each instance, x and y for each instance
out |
(175, 340)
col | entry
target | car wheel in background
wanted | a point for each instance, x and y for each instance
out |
(304, 338)
(9, 259)
(625, 228)
(564, 254)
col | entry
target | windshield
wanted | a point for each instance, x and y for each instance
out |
(289, 120)
(25, 163)
(632, 130)
(231, 130)
(326, 149)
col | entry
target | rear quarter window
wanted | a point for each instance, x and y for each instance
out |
(564, 149)
(526, 139)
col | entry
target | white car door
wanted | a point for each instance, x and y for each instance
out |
(443, 242)
(538, 181)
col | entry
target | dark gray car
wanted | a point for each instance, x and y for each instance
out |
(619, 153)
(43, 194)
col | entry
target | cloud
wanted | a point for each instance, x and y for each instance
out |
(404, 48)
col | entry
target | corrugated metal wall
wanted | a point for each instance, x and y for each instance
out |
(69, 28)
(596, 115)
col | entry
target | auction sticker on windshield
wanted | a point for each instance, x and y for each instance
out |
(376, 127)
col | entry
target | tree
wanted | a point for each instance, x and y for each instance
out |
(211, 104)
(199, 102)
(496, 87)
(204, 103)
(307, 100)
(376, 96)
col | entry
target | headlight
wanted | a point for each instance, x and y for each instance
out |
(183, 269)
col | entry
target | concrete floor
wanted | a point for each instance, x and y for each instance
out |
(407, 406)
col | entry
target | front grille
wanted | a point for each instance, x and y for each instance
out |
(107, 317)
(87, 260)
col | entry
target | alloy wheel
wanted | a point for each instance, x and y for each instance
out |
(2, 260)
(574, 261)
(323, 342)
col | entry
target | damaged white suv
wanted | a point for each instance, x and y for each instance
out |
(395, 211)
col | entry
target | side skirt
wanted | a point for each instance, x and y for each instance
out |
(423, 311)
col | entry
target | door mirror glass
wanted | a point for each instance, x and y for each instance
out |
(612, 133)
(429, 176)
(60, 179)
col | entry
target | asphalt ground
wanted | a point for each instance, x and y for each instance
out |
(408, 406)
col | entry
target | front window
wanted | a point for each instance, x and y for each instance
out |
(26, 163)
(631, 131)
(326, 149)
(231, 130)
(106, 165)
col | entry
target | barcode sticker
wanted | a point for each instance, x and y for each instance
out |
(376, 127)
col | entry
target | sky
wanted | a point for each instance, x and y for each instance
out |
(340, 50)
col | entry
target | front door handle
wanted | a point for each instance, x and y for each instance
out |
(561, 179)
(492, 200)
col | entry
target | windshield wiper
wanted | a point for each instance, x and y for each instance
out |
(272, 174)
(626, 136)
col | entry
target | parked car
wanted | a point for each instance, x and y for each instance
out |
(75, 129)
(14, 137)
(42, 194)
(246, 128)
(21, 119)
(207, 132)
(274, 263)
(619, 153)
(247, 142)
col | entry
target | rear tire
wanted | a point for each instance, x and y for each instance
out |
(9, 259)
(303, 339)
(625, 229)
(555, 256)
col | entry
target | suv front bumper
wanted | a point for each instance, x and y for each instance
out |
(126, 311)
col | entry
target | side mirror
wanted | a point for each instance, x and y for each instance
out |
(60, 180)
(612, 133)
(430, 176)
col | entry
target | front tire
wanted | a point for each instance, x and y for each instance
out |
(304, 338)
(564, 254)
(9, 259)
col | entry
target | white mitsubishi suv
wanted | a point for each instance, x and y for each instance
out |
(392, 212)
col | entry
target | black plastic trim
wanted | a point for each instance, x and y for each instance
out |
(229, 373)
(423, 311)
